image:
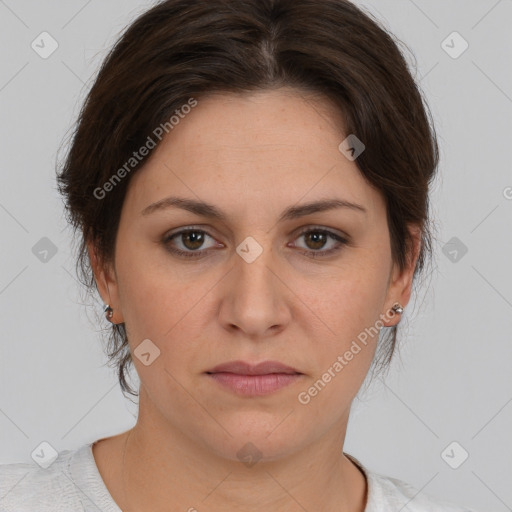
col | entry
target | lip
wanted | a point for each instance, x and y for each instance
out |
(254, 380)
(243, 368)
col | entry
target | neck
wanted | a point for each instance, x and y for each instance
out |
(161, 465)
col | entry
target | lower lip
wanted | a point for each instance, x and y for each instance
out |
(255, 385)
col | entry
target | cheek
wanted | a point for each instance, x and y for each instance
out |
(155, 297)
(343, 314)
(347, 301)
(162, 310)
(342, 348)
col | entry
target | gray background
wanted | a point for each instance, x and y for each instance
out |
(451, 381)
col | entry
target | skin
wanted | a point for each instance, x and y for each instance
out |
(252, 156)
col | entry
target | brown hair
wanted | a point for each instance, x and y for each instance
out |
(180, 49)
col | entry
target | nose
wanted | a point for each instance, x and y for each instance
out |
(254, 296)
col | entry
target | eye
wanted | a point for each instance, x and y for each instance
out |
(316, 238)
(191, 239)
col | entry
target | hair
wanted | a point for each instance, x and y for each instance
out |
(183, 49)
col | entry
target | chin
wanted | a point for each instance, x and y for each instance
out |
(252, 439)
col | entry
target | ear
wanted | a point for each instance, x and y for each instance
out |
(400, 283)
(106, 281)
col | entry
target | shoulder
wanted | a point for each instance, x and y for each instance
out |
(388, 494)
(27, 486)
(393, 494)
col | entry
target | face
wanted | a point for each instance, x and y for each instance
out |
(308, 289)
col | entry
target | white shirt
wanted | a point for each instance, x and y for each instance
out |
(73, 483)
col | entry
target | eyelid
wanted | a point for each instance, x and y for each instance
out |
(171, 234)
(334, 231)
(208, 230)
(341, 238)
(301, 231)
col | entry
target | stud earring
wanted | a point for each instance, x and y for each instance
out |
(109, 312)
(397, 308)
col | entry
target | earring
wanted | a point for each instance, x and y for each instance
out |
(109, 312)
(397, 308)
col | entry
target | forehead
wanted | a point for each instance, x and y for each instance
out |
(258, 149)
(270, 118)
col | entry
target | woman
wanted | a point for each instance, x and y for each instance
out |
(250, 183)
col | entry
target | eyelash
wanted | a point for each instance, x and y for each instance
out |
(313, 254)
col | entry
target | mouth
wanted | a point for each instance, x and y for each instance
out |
(264, 368)
(254, 380)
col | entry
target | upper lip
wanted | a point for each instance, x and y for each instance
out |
(243, 368)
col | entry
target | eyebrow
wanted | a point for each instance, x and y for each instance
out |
(204, 209)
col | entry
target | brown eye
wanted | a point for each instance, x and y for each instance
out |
(316, 239)
(191, 240)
